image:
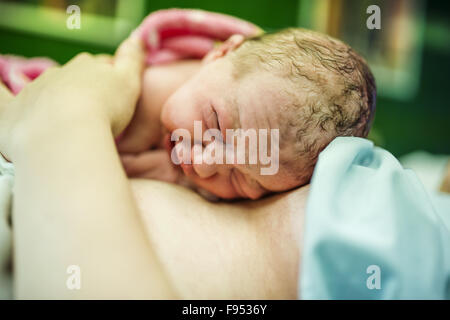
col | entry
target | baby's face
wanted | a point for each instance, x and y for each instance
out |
(215, 100)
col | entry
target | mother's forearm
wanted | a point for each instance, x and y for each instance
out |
(73, 206)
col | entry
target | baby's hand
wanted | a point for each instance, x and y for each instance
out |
(155, 164)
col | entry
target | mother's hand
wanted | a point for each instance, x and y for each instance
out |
(92, 88)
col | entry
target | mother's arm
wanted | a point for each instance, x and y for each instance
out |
(72, 202)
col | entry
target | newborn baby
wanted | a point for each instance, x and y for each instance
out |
(308, 86)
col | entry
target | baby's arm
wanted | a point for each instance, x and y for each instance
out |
(144, 131)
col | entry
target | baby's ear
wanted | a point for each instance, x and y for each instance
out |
(222, 50)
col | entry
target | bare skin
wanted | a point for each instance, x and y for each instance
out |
(143, 239)
(240, 250)
(158, 84)
(244, 250)
(185, 93)
(146, 132)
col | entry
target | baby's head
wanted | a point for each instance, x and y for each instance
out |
(310, 87)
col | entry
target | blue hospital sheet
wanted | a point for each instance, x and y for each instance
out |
(371, 230)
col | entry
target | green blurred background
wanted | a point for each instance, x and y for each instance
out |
(412, 114)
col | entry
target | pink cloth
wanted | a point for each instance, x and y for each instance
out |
(169, 35)
(16, 72)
